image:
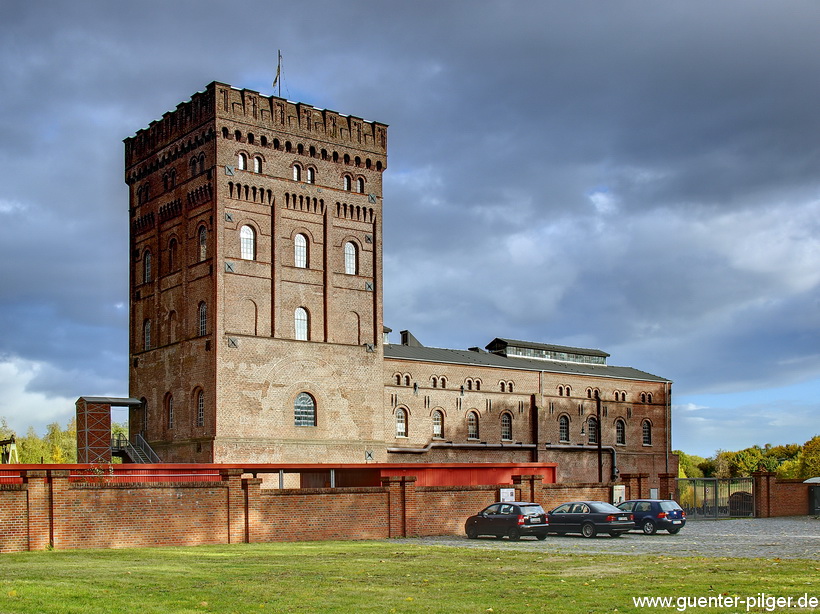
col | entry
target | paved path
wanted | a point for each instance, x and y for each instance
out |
(787, 538)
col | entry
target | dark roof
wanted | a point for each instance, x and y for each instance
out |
(487, 359)
(500, 342)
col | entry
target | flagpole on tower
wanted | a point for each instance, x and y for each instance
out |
(278, 73)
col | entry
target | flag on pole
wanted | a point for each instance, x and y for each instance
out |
(278, 72)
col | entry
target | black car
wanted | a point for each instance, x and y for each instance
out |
(510, 518)
(589, 518)
(653, 514)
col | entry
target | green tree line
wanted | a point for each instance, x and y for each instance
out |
(787, 461)
(58, 445)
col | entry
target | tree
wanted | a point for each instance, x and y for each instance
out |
(689, 465)
(810, 462)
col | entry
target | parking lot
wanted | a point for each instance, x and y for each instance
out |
(795, 537)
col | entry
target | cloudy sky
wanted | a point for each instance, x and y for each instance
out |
(637, 177)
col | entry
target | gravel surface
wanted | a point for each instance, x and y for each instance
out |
(796, 537)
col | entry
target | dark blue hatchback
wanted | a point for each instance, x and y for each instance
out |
(653, 514)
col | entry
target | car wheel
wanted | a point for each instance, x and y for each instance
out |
(616, 533)
(648, 527)
(673, 531)
(542, 537)
(472, 533)
(588, 530)
(514, 535)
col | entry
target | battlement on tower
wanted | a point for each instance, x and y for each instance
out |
(225, 103)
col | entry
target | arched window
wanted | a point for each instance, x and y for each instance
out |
(648, 397)
(560, 391)
(438, 424)
(351, 258)
(360, 185)
(311, 175)
(592, 429)
(247, 243)
(242, 162)
(563, 429)
(301, 324)
(257, 164)
(506, 427)
(406, 380)
(472, 425)
(297, 172)
(300, 251)
(146, 267)
(401, 423)
(503, 386)
(509, 386)
(434, 381)
(194, 165)
(478, 384)
(347, 181)
(304, 410)
(443, 382)
(203, 243)
(398, 379)
(172, 255)
(169, 410)
(203, 319)
(200, 408)
(620, 432)
(146, 335)
(647, 433)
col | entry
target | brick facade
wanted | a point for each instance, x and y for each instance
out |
(216, 354)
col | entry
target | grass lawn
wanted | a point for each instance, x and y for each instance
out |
(394, 576)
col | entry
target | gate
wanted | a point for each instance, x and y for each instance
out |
(716, 497)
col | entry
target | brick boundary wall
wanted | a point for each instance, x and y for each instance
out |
(48, 509)
(776, 497)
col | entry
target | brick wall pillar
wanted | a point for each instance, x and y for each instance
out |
(529, 488)
(762, 482)
(668, 485)
(59, 500)
(402, 505)
(253, 501)
(38, 509)
(235, 505)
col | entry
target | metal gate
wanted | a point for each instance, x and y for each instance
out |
(716, 497)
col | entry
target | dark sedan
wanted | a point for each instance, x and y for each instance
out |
(653, 514)
(589, 518)
(511, 518)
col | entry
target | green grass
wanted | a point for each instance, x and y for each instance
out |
(359, 577)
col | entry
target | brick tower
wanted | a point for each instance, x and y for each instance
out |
(255, 281)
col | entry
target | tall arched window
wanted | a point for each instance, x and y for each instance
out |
(146, 267)
(506, 427)
(592, 428)
(247, 243)
(360, 185)
(300, 251)
(169, 410)
(297, 172)
(351, 258)
(472, 425)
(146, 335)
(242, 162)
(203, 243)
(200, 408)
(620, 432)
(647, 433)
(203, 319)
(563, 429)
(304, 410)
(257, 164)
(311, 175)
(401, 422)
(347, 181)
(301, 324)
(438, 424)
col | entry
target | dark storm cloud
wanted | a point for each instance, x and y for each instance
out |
(634, 176)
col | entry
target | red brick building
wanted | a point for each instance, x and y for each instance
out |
(256, 326)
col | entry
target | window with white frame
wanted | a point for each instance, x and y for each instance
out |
(304, 410)
(592, 429)
(401, 422)
(351, 258)
(297, 172)
(257, 164)
(146, 267)
(438, 424)
(311, 175)
(472, 425)
(506, 427)
(200, 408)
(647, 433)
(620, 432)
(146, 335)
(563, 429)
(300, 318)
(203, 319)
(242, 162)
(247, 243)
(300, 251)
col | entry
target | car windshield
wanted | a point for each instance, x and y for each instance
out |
(604, 507)
(667, 506)
(531, 510)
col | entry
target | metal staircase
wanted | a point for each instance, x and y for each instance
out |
(137, 451)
